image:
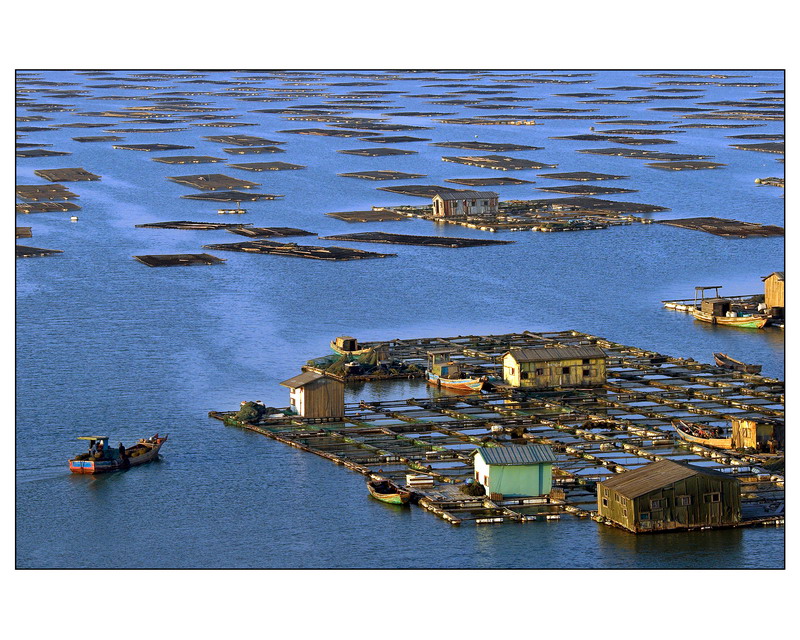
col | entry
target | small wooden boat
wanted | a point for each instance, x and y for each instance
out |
(726, 362)
(457, 384)
(387, 491)
(103, 459)
(347, 346)
(743, 322)
(700, 435)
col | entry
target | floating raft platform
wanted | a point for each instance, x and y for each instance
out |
(188, 159)
(377, 152)
(23, 232)
(242, 140)
(424, 444)
(381, 215)
(384, 174)
(501, 163)
(486, 146)
(231, 196)
(771, 181)
(581, 176)
(66, 175)
(98, 138)
(426, 241)
(644, 154)
(214, 182)
(40, 153)
(766, 147)
(188, 225)
(152, 147)
(253, 150)
(393, 139)
(44, 192)
(269, 232)
(267, 166)
(179, 259)
(725, 227)
(337, 133)
(585, 189)
(34, 252)
(487, 182)
(45, 207)
(420, 190)
(297, 251)
(685, 166)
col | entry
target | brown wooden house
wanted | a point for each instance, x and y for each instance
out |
(464, 203)
(773, 290)
(549, 367)
(747, 433)
(667, 495)
(314, 395)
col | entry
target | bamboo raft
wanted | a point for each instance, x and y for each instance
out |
(595, 432)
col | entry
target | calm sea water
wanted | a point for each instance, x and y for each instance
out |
(106, 344)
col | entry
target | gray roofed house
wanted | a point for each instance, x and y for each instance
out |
(517, 454)
(449, 204)
(547, 354)
(302, 379)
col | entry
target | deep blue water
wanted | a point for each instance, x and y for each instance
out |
(107, 344)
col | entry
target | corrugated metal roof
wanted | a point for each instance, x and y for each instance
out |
(517, 454)
(302, 379)
(543, 354)
(653, 476)
(466, 195)
(774, 273)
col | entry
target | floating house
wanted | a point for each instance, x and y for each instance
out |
(550, 367)
(464, 203)
(666, 495)
(515, 470)
(763, 435)
(314, 395)
(773, 292)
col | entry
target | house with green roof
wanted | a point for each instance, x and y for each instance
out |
(515, 470)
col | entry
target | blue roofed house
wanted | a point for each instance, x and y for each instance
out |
(515, 470)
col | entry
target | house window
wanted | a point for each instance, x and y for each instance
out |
(657, 504)
(511, 369)
(624, 513)
(605, 492)
(605, 502)
(711, 497)
(644, 516)
(540, 372)
(477, 476)
(684, 501)
(616, 497)
(524, 375)
(586, 373)
(565, 370)
(586, 361)
(624, 502)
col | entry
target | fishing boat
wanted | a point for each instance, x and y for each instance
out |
(348, 346)
(387, 491)
(726, 362)
(445, 372)
(456, 384)
(699, 435)
(103, 459)
(743, 322)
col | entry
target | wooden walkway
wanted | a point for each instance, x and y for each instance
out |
(595, 432)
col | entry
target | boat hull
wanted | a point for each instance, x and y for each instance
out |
(94, 467)
(726, 362)
(717, 443)
(459, 384)
(344, 352)
(398, 496)
(746, 322)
